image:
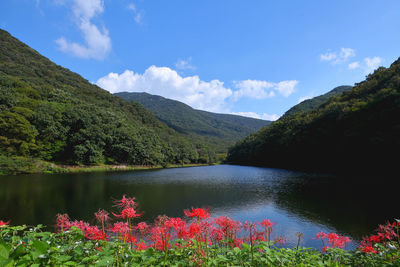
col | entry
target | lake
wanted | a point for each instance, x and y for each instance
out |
(295, 201)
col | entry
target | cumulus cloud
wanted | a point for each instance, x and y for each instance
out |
(371, 64)
(354, 65)
(166, 82)
(263, 116)
(263, 89)
(97, 41)
(338, 57)
(211, 95)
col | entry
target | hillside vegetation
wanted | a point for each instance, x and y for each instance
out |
(357, 130)
(50, 113)
(218, 130)
(316, 102)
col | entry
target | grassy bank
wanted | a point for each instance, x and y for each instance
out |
(22, 165)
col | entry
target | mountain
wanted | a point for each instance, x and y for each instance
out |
(48, 112)
(357, 130)
(315, 102)
(219, 130)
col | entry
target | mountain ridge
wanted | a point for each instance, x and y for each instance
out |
(220, 130)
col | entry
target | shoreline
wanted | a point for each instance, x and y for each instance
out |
(21, 165)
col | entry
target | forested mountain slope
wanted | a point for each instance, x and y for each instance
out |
(317, 101)
(51, 113)
(357, 130)
(219, 130)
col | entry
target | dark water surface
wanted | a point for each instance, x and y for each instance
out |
(295, 201)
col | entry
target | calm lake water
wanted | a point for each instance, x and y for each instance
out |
(295, 201)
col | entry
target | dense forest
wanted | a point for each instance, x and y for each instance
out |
(50, 113)
(218, 130)
(317, 101)
(356, 130)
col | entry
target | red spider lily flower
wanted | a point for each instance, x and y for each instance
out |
(321, 235)
(128, 213)
(2, 223)
(62, 221)
(126, 202)
(102, 216)
(83, 226)
(141, 246)
(175, 223)
(266, 223)
(227, 224)
(375, 239)
(120, 227)
(200, 213)
(194, 230)
(368, 249)
(94, 233)
(142, 226)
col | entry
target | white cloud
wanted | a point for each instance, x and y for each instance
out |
(327, 56)
(263, 89)
(168, 83)
(137, 14)
(263, 116)
(338, 57)
(345, 54)
(371, 64)
(97, 42)
(253, 89)
(354, 65)
(286, 88)
(185, 64)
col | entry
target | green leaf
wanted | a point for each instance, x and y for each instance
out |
(4, 251)
(63, 258)
(6, 263)
(40, 246)
(18, 252)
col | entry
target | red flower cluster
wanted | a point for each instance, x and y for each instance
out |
(334, 240)
(199, 231)
(384, 234)
(198, 213)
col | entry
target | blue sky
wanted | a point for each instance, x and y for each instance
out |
(255, 58)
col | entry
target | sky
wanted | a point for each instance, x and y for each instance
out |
(254, 58)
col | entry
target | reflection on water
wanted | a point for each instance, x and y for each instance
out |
(296, 201)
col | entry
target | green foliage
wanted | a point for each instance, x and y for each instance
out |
(356, 130)
(23, 246)
(217, 130)
(315, 102)
(52, 114)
